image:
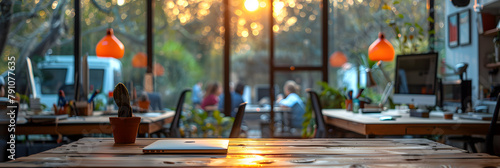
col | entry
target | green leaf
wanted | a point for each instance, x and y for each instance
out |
(388, 21)
(401, 16)
(395, 2)
(432, 32)
(386, 7)
(430, 19)
(418, 26)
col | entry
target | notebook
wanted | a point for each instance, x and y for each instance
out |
(188, 146)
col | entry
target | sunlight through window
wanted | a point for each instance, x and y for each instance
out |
(251, 5)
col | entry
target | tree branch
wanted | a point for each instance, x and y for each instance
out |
(55, 33)
(6, 7)
(23, 16)
(102, 9)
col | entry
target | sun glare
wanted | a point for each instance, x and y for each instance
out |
(251, 5)
(120, 2)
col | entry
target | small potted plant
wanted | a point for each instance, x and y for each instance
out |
(125, 126)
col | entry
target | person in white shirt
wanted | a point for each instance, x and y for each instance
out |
(293, 100)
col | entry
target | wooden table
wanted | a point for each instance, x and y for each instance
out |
(369, 124)
(102, 152)
(150, 123)
(286, 118)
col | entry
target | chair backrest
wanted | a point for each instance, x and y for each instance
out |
(235, 131)
(174, 126)
(493, 129)
(318, 113)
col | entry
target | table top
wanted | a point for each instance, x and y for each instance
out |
(370, 124)
(99, 118)
(150, 123)
(102, 152)
(265, 109)
(434, 118)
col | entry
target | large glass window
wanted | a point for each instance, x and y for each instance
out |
(127, 18)
(297, 31)
(250, 46)
(189, 40)
(37, 29)
(188, 43)
(355, 24)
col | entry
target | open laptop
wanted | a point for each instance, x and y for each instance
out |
(214, 146)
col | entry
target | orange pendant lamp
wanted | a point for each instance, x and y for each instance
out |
(110, 46)
(381, 49)
(140, 60)
(337, 59)
(158, 69)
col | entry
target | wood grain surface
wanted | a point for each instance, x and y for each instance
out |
(102, 152)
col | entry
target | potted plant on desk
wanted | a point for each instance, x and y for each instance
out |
(125, 126)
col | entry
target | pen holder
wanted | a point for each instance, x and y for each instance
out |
(348, 104)
(84, 108)
(62, 110)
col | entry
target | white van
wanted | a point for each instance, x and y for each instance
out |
(57, 72)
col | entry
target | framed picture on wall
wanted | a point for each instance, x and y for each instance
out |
(453, 30)
(464, 27)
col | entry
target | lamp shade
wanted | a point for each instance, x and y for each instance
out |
(110, 46)
(140, 60)
(381, 49)
(158, 69)
(337, 59)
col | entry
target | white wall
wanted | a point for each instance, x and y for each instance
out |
(467, 53)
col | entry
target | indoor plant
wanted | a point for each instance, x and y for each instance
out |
(125, 126)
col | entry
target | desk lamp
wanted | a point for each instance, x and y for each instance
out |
(382, 50)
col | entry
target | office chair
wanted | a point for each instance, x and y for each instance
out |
(172, 130)
(235, 131)
(493, 129)
(321, 131)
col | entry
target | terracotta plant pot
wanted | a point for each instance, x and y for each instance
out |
(125, 129)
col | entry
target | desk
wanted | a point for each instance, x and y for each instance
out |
(286, 118)
(102, 152)
(92, 124)
(406, 125)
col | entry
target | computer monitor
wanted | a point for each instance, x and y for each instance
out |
(262, 91)
(415, 81)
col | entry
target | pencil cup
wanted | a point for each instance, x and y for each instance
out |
(348, 105)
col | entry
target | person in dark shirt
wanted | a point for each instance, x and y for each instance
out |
(236, 99)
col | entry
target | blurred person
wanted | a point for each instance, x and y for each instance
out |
(211, 100)
(236, 99)
(3, 91)
(155, 101)
(197, 95)
(293, 101)
(2, 87)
